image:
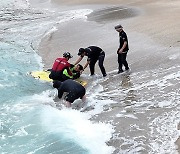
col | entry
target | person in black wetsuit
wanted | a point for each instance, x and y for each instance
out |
(94, 54)
(74, 91)
(123, 49)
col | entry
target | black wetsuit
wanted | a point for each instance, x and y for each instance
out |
(122, 56)
(95, 53)
(74, 89)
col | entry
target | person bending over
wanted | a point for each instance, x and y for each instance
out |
(94, 54)
(73, 89)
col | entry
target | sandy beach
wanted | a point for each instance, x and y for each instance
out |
(152, 28)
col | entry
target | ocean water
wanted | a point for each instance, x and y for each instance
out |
(139, 110)
(29, 123)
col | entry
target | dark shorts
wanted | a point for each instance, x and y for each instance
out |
(71, 97)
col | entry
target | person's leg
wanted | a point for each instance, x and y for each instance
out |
(52, 75)
(92, 65)
(82, 96)
(84, 104)
(120, 63)
(69, 99)
(56, 75)
(101, 66)
(124, 61)
(67, 104)
(84, 99)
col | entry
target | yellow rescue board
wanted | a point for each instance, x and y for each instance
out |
(44, 76)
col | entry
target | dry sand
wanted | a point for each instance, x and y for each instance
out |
(154, 19)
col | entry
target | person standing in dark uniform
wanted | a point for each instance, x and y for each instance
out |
(123, 49)
(73, 89)
(94, 54)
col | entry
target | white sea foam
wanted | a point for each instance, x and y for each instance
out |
(72, 121)
(45, 98)
(156, 92)
(164, 132)
(15, 4)
(158, 82)
(21, 132)
(70, 15)
(128, 116)
(75, 126)
(50, 32)
(1, 85)
(75, 14)
(174, 56)
(155, 89)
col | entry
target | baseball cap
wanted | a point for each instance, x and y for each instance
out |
(81, 50)
(118, 26)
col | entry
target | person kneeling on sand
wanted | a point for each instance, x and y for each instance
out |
(76, 71)
(74, 91)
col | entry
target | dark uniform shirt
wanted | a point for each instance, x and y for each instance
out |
(122, 39)
(93, 52)
(74, 89)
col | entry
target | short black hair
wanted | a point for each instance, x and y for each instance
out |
(80, 67)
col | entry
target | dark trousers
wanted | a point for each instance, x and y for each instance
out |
(101, 66)
(122, 61)
(56, 75)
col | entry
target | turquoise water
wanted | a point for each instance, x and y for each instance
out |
(28, 124)
(145, 103)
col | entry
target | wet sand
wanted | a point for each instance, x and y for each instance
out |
(151, 25)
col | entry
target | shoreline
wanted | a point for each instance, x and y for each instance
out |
(154, 20)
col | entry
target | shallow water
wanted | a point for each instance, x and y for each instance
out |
(138, 112)
(29, 122)
(144, 109)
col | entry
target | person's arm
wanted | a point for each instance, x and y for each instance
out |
(87, 63)
(60, 92)
(125, 42)
(76, 75)
(69, 71)
(123, 47)
(79, 59)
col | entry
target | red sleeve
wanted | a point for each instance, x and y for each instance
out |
(68, 69)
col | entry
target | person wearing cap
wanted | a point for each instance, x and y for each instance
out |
(73, 90)
(94, 54)
(59, 65)
(123, 49)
